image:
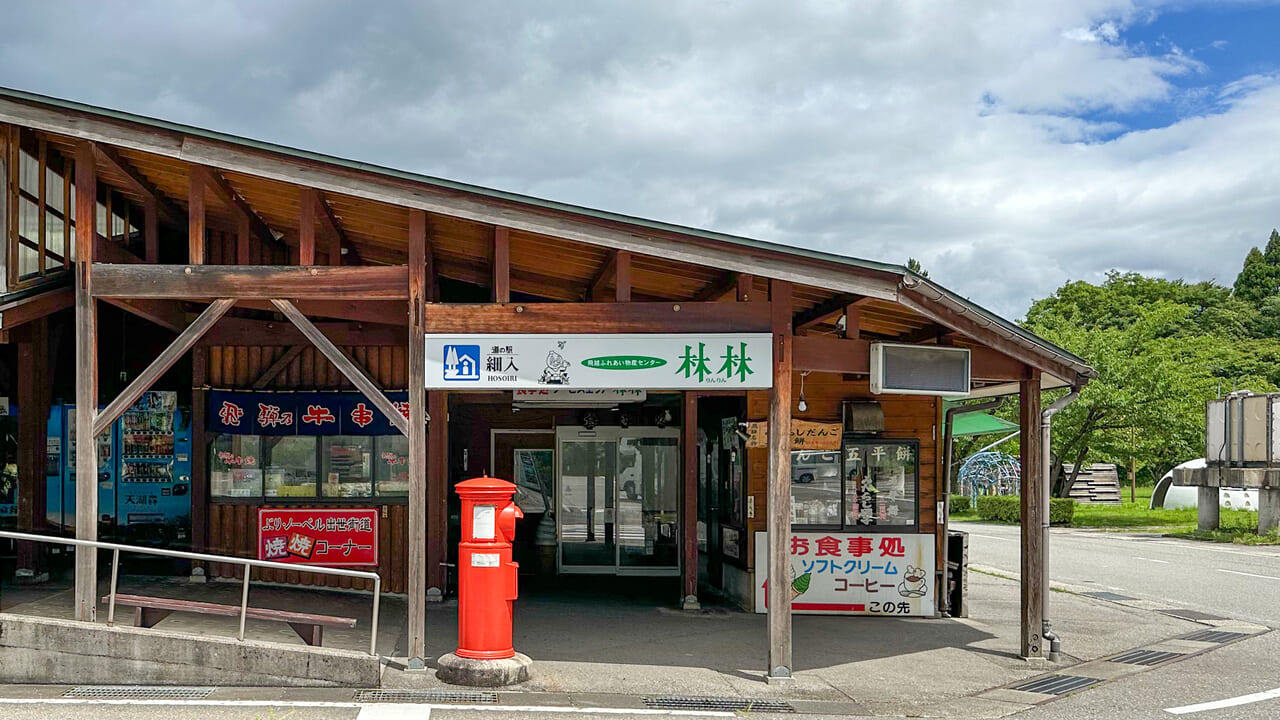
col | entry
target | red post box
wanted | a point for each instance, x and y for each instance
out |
(486, 576)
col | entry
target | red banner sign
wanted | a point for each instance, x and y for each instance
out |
(315, 536)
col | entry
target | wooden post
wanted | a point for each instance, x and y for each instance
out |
(852, 321)
(417, 550)
(689, 506)
(307, 227)
(778, 495)
(437, 489)
(743, 288)
(33, 412)
(199, 450)
(195, 217)
(1033, 493)
(501, 265)
(151, 231)
(242, 239)
(622, 277)
(86, 386)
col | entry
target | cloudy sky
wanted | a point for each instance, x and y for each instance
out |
(1008, 145)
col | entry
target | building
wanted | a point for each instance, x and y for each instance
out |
(671, 401)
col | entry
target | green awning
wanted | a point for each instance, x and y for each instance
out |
(978, 423)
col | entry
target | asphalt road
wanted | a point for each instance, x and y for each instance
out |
(303, 711)
(1237, 582)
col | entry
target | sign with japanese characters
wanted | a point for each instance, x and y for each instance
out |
(304, 413)
(316, 536)
(654, 361)
(805, 435)
(854, 574)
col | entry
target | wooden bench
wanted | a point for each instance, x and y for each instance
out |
(147, 611)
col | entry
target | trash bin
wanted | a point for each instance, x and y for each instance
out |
(957, 604)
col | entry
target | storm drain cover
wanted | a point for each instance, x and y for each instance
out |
(138, 692)
(1192, 615)
(1214, 636)
(1056, 684)
(678, 702)
(426, 696)
(1104, 595)
(1145, 657)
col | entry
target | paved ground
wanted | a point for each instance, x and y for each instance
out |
(598, 646)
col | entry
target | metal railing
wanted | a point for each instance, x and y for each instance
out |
(248, 564)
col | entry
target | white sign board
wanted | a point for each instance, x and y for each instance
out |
(717, 361)
(483, 518)
(854, 574)
(576, 397)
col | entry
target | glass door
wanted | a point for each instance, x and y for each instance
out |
(619, 500)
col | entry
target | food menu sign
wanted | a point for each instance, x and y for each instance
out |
(854, 574)
(305, 413)
(740, 361)
(314, 536)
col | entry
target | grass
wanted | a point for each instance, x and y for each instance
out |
(1235, 526)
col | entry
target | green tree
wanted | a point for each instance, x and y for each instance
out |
(1259, 279)
(914, 266)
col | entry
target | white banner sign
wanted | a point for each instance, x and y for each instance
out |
(577, 397)
(712, 361)
(850, 574)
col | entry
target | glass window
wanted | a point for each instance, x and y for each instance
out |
(391, 466)
(234, 467)
(881, 480)
(815, 488)
(289, 466)
(348, 466)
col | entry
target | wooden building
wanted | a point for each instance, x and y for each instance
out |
(274, 290)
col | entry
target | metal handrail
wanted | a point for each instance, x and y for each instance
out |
(248, 563)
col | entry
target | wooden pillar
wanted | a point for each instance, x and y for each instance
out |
(151, 231)
(852, 321)
(195, 217)
(199, 450)
(33, 412)
(743, 289)
(689, 505)
(307, 227)
(437, 491)
(242, 239)
(86, 457)
(778, 496)
(417, 550)
(622, 277)
(501, 265)
(1034, 489)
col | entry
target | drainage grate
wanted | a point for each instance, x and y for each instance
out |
(1104, 595)
(1215, 636)
(138, 692)
(1056, 684)
(1192, 615)
(678, 702)
(1145, 657)
(426, 696)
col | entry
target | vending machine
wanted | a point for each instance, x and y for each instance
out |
(144, 473)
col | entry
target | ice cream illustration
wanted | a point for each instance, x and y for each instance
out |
(799, 585)
(914, 583)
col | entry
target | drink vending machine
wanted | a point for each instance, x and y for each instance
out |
(144, 473)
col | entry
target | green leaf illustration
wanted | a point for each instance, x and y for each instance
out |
(800, 584)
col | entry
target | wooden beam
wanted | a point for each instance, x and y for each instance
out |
(33, 412)
(622, 277)
(244, 331)
(345, 365)
(689, 500)
(195, 217)
(199, 450)
(307, 227)
(778, 492)
(242, 240)
(86, 453)
(139, 184)
(827, 353)
(168, 314)
(1034, 492)
(215, 182)
(437, 490)
(418, 288)
(824, 310)
(151, 231)
(374, 312)
(932, 331)
(743, 293)
(337, 236)
(271, 373)
(501, 265)
(852, 322)
(595, 290)
(252, 282)
(599, 318)
(718, 288)
(18, 312)
(185, 340)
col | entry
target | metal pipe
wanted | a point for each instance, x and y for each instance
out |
(373, 633)
(1046, 421)
(1010, 436)
(115, 573)
(244, 600)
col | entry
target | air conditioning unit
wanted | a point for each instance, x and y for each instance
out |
(919, 370)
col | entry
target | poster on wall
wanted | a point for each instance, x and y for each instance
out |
(805, 435)
(319, 536)
(739, 361)
(854, 574)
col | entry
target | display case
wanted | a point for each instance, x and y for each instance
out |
(881, 483)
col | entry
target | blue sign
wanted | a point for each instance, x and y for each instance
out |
(461, 363)
(303, 413)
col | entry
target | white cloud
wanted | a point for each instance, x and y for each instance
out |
(959, 134)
